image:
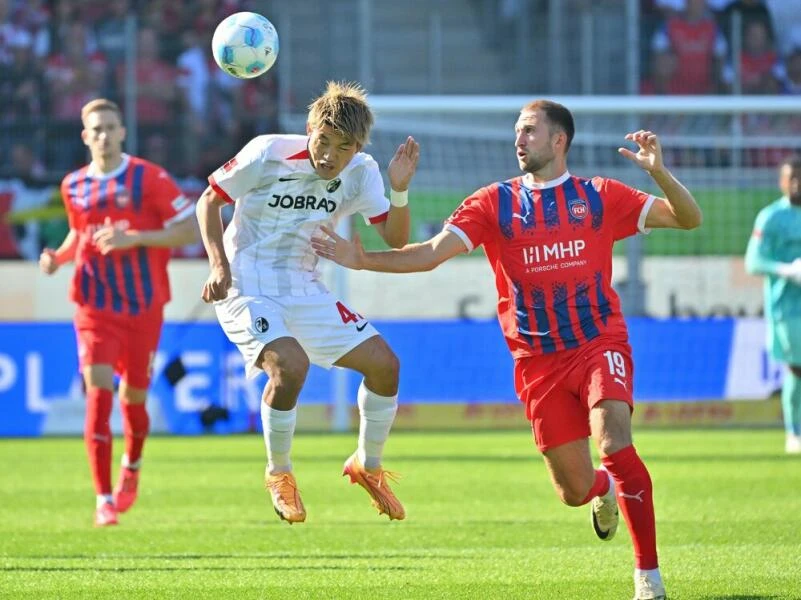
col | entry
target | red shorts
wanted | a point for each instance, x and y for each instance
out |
(560, 389)
(127, 343)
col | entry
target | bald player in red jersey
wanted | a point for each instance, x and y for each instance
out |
(548, 236)
(125, 214)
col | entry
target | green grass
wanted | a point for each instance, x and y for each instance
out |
(482, 522)
(728, 219)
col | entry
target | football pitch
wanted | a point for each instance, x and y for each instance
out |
(482, 522)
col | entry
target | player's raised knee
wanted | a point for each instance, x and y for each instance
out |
(573, 495)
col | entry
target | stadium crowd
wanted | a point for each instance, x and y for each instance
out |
(689, 45)
(58, 55)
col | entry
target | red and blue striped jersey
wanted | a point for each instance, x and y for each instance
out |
(551, 250)
(138, 195)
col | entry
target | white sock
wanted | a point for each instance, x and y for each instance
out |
(102, 499)
(279, 427)
(376, 414)
(652, 574)
(129, 465)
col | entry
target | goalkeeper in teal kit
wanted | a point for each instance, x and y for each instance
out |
(774, 251)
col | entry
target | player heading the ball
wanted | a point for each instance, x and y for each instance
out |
(268, 293)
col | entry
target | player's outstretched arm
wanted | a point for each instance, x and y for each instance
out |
(50, 260)
(678, 209)
(396, 229)
(211, 231)
(412, 258)
(177, 234)
(760, 260)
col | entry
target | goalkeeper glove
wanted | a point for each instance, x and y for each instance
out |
(791, 271)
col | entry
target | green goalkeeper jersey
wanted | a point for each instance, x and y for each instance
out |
(776, 240)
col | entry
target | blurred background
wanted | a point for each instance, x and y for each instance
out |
(720, 80)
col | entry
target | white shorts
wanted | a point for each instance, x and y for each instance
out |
(323, 326)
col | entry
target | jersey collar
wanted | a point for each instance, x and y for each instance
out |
(541, 185)
(94, 174)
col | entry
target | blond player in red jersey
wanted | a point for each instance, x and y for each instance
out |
(125, 214)
(548, 236)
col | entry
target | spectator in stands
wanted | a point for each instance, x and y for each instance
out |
(156, 88)
(10, 232)
(92, 11)
(67, 13)
(22, 88)
(167, 19)
(194, 79)
(757, 62)
(788, 73)
(662, 78)
(38, 218)
(668, 8)
(751, 11)
(75, 75)
(205, 16)
(111, 32)
(23, 203)
(156, 148)
(786, 16)
(11, 35)
(257, 107)
(662, 81)
(194, 73)
(788, 80)
(26, 166)
(30, 20)
(699, 47)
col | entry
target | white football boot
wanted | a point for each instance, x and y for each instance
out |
(604, 513)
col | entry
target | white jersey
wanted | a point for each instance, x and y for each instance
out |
(279, 204)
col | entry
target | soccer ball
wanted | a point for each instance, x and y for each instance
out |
(245, 45)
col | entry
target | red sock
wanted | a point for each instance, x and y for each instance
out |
(599, 487)
(635, 498)
(135, 425)
(97, 437)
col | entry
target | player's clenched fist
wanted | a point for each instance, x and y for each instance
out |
(217, 285)
(48, 262)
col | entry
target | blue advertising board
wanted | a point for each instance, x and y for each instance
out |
(197, 369)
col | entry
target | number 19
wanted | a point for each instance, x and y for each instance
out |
(617, 366)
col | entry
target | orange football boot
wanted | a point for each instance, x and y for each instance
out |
(375, 482)
(285, 496)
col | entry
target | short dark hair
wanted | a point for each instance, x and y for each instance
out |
(557, 115)
(793, 161)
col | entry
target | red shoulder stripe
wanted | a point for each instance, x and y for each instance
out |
(300, 155)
